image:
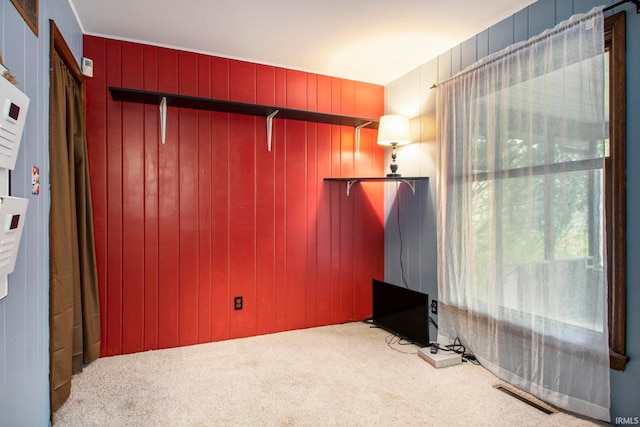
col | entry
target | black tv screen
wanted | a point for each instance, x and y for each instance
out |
(402, 312)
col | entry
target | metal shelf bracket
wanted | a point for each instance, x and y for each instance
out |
(410, 183)
(163, 119)
(358, 137)
(270, 128)
(349, 184)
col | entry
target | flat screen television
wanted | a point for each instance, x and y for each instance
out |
(402, 312)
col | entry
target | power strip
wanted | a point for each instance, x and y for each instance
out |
(441, 359)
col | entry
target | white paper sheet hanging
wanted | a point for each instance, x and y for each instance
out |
(13, 112)
(12, 215)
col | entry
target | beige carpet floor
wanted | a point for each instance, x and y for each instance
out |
(343, 375)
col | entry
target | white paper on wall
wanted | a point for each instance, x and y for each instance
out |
(13, 111)
(13, 211)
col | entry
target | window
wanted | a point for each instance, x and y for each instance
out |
(538, 201)
(529, 211)
(563, 240)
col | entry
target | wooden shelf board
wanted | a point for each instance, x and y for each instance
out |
(184, 101)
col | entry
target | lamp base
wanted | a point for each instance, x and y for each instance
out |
(393, 175)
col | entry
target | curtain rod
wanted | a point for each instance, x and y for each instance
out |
(636, 2)
(510, 50)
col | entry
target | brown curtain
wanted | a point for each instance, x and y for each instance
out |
(74, 302)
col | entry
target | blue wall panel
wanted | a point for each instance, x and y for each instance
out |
(469, 52)
(542, 16)
(521, 26)
(564, 9)
(455, 60)
(483, 44)
(501, 35)
(444, 66)
(24, 313)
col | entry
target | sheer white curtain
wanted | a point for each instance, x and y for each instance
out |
(521, 280)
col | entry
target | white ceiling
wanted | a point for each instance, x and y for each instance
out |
(373, 41)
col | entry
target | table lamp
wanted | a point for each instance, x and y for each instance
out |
(394, 130)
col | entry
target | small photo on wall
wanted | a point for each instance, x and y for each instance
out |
(35, 180)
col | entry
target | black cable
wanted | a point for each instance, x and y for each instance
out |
(404, 279)
(458, 347)
(433, 322)
(392, 340)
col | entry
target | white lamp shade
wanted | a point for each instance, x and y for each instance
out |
(394, 128)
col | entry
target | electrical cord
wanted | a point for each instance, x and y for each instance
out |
(392, 340)
(458, 347)
(433, 322)
(404, 279)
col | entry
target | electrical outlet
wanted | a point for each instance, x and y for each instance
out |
(237, 303)
(434, 306)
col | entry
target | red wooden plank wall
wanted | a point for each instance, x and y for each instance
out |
(184, 227)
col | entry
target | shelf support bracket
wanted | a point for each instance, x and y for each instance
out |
(358, 128)
(163, 119)
(349, 185)
(411, 184)
(270, 128)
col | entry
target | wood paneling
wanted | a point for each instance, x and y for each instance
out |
(189, 236)
(184, 227)
(151, 203)
(113, 315)
(132, 205)
(205, 203)
(168, 209)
